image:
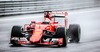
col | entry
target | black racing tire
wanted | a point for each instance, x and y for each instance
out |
(64, 44)
(74, 33)
(16, 32)
(60, 33)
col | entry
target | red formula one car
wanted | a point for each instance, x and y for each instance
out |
(46, 33)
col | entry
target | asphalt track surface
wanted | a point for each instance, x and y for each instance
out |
(89, 20)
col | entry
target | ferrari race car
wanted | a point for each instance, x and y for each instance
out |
(46, 32)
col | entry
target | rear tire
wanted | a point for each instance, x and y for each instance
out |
(74, 33)
(60, 33)
(16, 32)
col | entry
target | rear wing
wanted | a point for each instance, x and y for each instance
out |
(59, 14)
(54, 14)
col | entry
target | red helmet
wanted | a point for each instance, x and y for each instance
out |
(47, 14)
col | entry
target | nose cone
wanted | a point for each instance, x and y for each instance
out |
(36, 35)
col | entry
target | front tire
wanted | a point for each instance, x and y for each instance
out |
(16, 32)
(61, 33)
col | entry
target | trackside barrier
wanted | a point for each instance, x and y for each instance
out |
(12, 7)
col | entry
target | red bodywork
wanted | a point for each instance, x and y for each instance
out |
(38, 30)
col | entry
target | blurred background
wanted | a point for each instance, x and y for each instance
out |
(86, 13)
(11, 7)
